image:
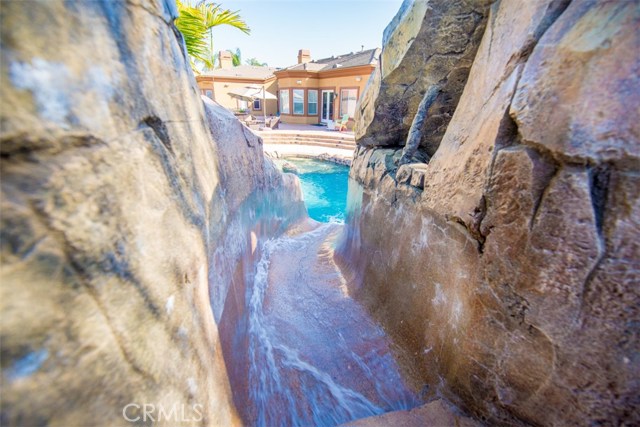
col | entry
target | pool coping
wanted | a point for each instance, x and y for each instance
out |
(340, 156)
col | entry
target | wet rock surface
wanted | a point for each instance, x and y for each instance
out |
(119, 187)
(512, 252)
(436, 413)
(289, 168)
(499, 250)
(304, 352)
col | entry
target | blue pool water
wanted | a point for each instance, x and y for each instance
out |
(324, 187)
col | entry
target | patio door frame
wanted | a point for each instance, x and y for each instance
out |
(332, 103)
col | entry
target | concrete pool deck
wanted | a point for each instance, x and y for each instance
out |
(309, 141)
(290, 127)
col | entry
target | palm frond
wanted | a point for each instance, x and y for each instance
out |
(195, 23)
(214, 16)
(236, 58)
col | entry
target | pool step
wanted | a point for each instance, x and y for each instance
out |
(338, 140)
(325, 143)
(285, 137)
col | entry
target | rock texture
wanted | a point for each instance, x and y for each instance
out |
(433, 414)
(509, 274)
(428, 50)
(118, 193)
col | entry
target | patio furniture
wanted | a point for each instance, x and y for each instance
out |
(273, 122)
(251, 93)
(342, 123)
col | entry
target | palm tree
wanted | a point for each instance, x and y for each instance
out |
(236, 58)
(195, 22)
(254, 61)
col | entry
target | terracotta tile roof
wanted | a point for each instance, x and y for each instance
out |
(352, 59)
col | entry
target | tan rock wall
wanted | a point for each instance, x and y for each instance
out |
(117, 191)
(507, 266)
(429, 44)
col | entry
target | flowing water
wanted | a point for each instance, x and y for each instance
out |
(299, 350)
(315, 356)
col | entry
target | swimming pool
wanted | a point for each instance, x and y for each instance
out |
(324, 187)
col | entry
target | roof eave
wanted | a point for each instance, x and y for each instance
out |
(243, 78)
(346, 71)
(331, 72)
(295, 73)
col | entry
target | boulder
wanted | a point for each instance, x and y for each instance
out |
(573, 73)
(508, 276)
(436, 413)
(481, 125)
(289, 168)
(427, 48)
(118, 188)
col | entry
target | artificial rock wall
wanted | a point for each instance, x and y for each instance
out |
(504, 261)
(119, 187)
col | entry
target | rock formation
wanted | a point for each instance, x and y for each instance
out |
(435, 413)
(493, 228)
(507, 266)
(428, 50)
(118, 196)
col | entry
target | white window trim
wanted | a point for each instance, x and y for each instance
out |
(312, 103)
(282, 106)
(293, 103)
(253, 105)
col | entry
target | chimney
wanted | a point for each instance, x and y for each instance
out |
(304, 56)
(225, 59)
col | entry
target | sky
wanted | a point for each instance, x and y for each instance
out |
(279, 28)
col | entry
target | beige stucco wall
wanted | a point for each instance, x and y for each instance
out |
(204, 83)
(321, 83)
(221, 87)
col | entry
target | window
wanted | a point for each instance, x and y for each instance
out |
(298, 101)
(209, 93)
(256, 104)
(312, 102)
(348, 100)
(284, 101)
(242, 105)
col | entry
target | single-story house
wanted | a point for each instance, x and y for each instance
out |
(309, 92)
(217, 83)
(317, 91)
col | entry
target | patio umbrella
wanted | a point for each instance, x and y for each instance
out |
(251, 93)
